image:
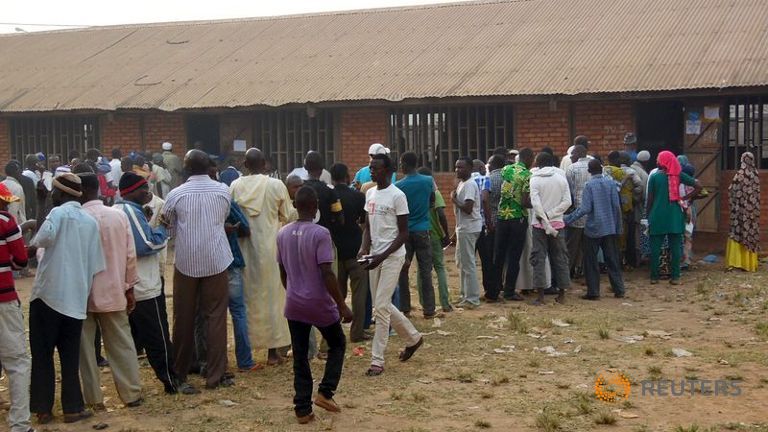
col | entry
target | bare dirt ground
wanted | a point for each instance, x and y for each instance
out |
(514, 367)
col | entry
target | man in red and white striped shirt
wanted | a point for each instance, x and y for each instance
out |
(13, 342)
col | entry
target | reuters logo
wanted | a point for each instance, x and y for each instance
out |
(612, 386)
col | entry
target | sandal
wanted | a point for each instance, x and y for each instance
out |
(374, 371)
(408, 352)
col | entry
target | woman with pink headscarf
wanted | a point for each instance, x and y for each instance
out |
(665, 212)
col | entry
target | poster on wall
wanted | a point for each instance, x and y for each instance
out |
(693, 123)
(712, 113)
(238, 145)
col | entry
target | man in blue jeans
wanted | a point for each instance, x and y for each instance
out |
(237, 226)
(419, 190)
(601, 205)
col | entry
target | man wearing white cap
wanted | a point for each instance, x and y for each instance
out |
(640, 168)
(172, 163)
(303, 174)
(363, 176)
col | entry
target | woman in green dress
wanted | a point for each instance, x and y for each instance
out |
(665, 213)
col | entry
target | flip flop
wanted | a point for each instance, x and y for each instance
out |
(374, 371)
(408, 352)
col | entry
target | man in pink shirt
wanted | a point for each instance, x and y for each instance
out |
(110, 301)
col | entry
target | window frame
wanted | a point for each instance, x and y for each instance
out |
(440, 134)
(746, 129)
(53, 135)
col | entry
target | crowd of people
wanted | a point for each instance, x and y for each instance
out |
(282, 256)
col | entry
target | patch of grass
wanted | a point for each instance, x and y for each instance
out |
(642, 428)
(627, 404)
(517, 322)
(583, 407)
(654, 371)
(761, 329)
(692, 377)
(465, 377)
(483, 424)
(570, 320)
(499, 380)
(605, 417)
(691, 428)
(418, 397)
(534, 363)
(396, 396)
(548, 421)
(734, 377)
(563, 386)
(486, 395)
(603, 333)
(650, 352)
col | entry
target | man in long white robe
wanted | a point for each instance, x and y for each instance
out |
(266, 202)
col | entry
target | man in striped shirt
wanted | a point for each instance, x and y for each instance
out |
(196, 212)
(13, 341)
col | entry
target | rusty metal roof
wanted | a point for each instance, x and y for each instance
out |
(489, 48)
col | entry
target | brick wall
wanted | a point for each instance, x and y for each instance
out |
(605, 123)
(121, 131)
(162, 127)
(5, 141)
(146, 132)
(538, 125)
(360, 127)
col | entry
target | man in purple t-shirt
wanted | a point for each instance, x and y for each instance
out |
(305, 255)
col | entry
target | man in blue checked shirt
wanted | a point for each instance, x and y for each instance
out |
(601, 205)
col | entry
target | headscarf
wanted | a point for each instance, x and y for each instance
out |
(744, 200)
(671, 166)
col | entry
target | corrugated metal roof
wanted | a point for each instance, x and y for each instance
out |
(496, 48)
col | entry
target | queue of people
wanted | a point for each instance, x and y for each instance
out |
(281, 257)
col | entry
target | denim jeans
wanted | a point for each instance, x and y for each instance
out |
(438, 263)
(418, 245)
(610, 247)
(239, 318)
(302, 373)
(469, 288)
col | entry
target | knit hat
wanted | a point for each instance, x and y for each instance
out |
(6, 194)
(644, 156)
(69, 183)
(167, 146)
(131, 181)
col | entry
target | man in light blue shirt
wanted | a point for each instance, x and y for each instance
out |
(73, 256)
(419, 191)
(363, 176)
(601, 205)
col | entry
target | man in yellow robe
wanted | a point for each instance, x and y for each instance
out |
(266, 202)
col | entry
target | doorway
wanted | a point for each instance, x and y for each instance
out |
(203, 133)
(660, 127)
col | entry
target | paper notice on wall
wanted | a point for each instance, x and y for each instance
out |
(712, 113)
(693, 127)
(238, 145)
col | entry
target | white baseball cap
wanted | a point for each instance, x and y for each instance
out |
(644, 156)
(167, 146)
(377, 148)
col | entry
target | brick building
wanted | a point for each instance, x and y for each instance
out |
(442, 80)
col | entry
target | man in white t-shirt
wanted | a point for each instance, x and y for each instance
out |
(469, 224)
(386, 230)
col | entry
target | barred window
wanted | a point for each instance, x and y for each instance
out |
(53, 135)
(747, 130)
(441, 134)
(287, 136)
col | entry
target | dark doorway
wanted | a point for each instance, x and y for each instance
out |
(660, 127)
(203, 133)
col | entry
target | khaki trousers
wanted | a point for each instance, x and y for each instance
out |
(121, 353)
